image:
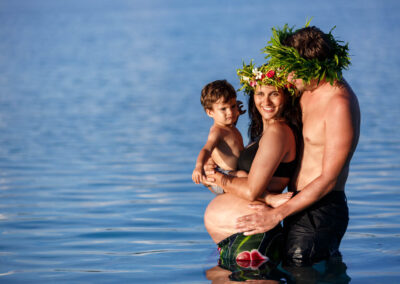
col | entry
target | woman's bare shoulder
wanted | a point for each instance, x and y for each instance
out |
(278, 130)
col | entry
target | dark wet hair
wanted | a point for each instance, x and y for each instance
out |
(214, 91)
(311, 43)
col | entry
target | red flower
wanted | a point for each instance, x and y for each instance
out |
(256, 255)
(243, 256)
(243, 259)
(253, 259)
(271, 74)
(289, 86)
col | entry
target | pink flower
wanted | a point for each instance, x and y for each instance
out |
(271, 74)
(253, 83)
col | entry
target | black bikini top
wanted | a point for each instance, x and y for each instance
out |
(247, 156)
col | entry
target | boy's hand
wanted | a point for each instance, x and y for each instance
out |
(209, 168)
(198, 176)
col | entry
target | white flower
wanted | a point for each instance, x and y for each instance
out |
(246, 79)
(257, 73)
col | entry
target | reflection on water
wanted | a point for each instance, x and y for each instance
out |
(331, 271)
(100, 124)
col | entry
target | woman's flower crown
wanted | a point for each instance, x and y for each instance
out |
(290, 60)
(251, 76)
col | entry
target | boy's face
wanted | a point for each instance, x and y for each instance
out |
(224, 113)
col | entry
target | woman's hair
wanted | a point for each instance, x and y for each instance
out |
(291, 114)
(256, 124)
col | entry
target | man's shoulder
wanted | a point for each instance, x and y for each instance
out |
(342, 90)
(338, 93)
(342, 95)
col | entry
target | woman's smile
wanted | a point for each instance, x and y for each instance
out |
(268, 108)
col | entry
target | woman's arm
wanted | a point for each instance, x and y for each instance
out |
(270, 153)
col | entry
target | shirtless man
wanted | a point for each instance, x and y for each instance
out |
(316, 218)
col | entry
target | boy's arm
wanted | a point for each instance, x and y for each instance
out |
(205, 153)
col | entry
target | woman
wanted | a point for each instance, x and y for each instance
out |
(270, 161)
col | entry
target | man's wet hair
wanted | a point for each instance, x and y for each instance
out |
(311, 43)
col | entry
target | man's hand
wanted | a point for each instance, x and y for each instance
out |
(262, 220)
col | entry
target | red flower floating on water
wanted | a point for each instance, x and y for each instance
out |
(271, 74)
(253, 259)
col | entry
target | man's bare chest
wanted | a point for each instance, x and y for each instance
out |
(313, 125)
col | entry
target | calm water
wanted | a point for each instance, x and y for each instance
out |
(100, 125)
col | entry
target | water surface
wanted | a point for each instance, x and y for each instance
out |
(100, 125)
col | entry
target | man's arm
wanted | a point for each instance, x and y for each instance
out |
(339, 135)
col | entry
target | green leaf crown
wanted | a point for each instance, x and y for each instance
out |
(251, 76)
(289, 59)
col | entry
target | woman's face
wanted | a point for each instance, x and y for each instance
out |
(268, 101)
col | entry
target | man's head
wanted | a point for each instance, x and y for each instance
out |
(307, 54)
(311, 43)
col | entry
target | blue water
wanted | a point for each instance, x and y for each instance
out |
(100, 125)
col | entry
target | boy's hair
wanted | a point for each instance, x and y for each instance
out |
(311, 43)
(214, 91)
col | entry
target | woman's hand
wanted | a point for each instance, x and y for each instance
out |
(216, 178)
(264, 219)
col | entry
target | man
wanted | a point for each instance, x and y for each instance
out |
(316, 218)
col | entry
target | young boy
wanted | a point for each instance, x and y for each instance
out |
(224, 142)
